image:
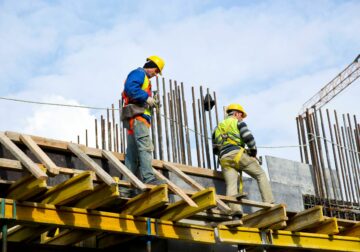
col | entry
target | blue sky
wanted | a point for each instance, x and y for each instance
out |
(270, 56)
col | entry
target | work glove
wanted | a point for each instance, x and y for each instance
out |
(151, 102)
(252, 152)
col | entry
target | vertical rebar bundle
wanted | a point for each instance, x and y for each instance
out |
(177, 135)
(332, 150)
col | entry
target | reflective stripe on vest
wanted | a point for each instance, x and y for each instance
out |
(146, 86)
(227, 133)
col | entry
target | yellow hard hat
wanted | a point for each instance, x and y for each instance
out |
(160, 63)
(236, 107)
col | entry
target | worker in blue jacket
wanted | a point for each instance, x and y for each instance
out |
(138, 102)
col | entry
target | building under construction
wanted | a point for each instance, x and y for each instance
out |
(58, 195)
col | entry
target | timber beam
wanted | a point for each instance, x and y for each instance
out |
(40, 154)
(180, 210)
(26, 188)
(91, 164)
(26, 233)
(147, 201)
(352, 231)
(313, 220)
(70, 190)
(268, 239)
(77, 218)
(21, 156)
(265, 218)
(102, 195)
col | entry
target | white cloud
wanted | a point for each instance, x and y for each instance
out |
(62, 123)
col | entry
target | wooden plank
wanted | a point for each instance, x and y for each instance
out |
(20, 155)
(329, 226)
(180, 210)
(91, 163)
(124, 170)
(176, 189)
(306, 219)
(69, 190)
(266, 217)
(26, 188)
(352, 231)
(147, 201)
(231, 223)
(12, 165)
(39, 154)
(195, 185)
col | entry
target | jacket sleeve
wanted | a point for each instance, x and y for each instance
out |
(133, 85)
(246, 135)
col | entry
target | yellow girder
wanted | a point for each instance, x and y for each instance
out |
(205, 199)
(287, 239)
(45, 214)
(147, 201)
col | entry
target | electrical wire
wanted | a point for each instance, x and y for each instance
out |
(167, 118)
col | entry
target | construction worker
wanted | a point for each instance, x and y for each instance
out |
(136, 115)
(229, 140)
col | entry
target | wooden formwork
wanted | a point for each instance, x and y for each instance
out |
(68, 212)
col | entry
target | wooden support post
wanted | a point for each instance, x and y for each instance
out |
(40, 154)
(124, 170)
(266, 217)
(176, 189)
(180, 210)
(195, 184)
(25, 160)
(147, 201)
(70, 190)
(91, 163)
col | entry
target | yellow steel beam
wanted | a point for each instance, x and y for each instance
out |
(328, 226)
(103, 194)
(26, 187)
(306, 219)
(266, 217)
(205, 199)
(352, 231)
(70, 237)
(77, 218)
(147, 201)
(287, 239)
(69, 190)
(25, 233)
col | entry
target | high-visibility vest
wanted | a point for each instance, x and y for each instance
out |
(146, 86)
(227, 133)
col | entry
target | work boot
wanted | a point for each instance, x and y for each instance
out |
(127, 192)
(237, 215)
(157, 182)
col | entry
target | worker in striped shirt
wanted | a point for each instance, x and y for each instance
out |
(229, 140)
